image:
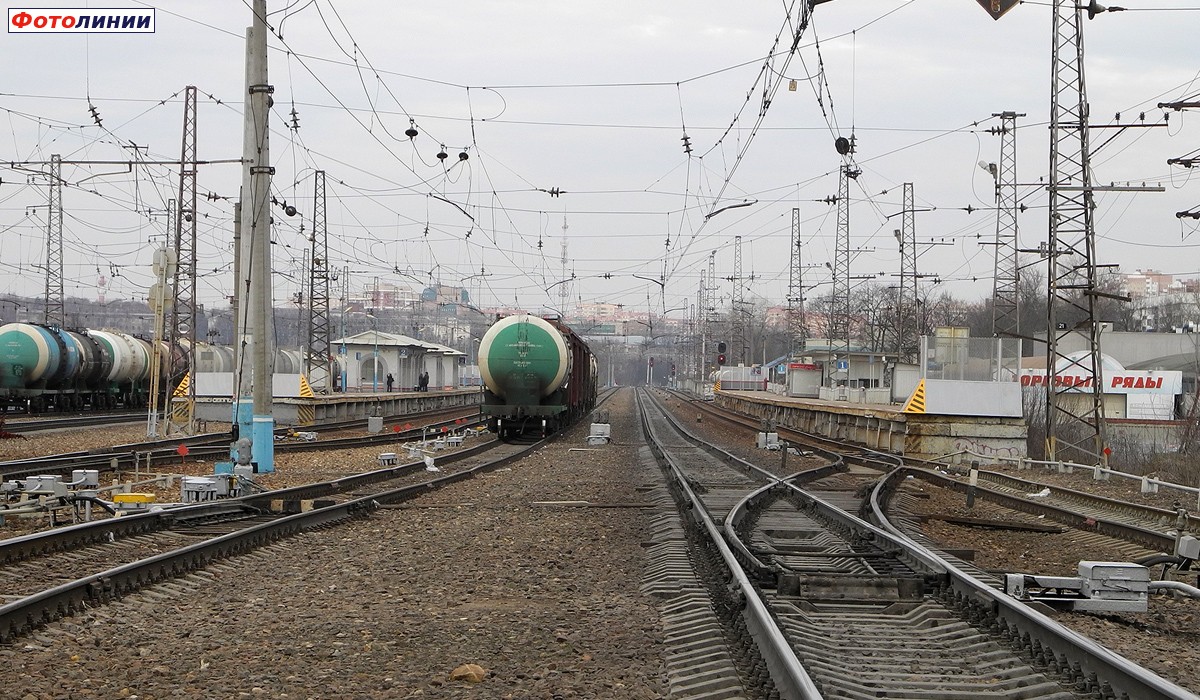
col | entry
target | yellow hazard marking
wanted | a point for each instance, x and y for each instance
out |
(306, 414)
(916, 402)
(717, 386)
(182, 389)
(181, 411)
(133, 498)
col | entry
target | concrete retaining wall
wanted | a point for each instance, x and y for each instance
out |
(305, 411)
(912, 435)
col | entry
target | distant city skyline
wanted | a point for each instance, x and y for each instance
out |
(647, 136)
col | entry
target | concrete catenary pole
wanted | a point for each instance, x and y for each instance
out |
(256, 345)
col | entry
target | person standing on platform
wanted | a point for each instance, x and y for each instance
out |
(390, 381)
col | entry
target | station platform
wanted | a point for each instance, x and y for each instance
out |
(884, 427)
(304, 411)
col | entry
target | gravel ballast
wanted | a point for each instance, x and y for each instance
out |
(543, 596)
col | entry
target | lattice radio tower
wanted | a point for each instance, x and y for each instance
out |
(182, 324)
(1006, 277)
(54, 315)
(318, 360)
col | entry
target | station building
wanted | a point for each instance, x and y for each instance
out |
(364, 361)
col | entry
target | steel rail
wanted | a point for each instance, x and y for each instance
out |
(1090, 666)
(20, 616)
(207, 445)
(100, 419)
(1130, 532)
(787, 673)
(1105, 526)
(74, 536)
(31, 612)
(1138, 511)
(744, 508)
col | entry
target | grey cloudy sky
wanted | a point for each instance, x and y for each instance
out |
(592, 99)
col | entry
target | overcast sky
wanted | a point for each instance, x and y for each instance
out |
(592, 99)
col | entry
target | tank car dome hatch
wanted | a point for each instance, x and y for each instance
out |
(523, 356)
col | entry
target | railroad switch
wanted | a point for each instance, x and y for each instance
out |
(1102, 586)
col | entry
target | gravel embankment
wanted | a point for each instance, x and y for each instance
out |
(543, 596)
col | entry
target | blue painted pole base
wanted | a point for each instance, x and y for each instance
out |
(264, 444)
(260, 431)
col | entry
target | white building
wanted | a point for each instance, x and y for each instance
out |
(364, 361)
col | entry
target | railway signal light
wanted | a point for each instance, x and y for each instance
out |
(721, 348)
(721, 358)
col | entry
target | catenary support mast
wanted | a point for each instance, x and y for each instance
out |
(181, 327)
(1074, 419)
(839, 320)
(54, 314)
(256, 341)
(1006, 278)
(909, 331)
(737, 313)
(797, 333)
(317, 355)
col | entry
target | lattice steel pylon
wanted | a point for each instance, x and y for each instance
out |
(564, 289)
(318, 360)
(908, 329)
(737, 317)
(710, 301)
(54, 314)
(700, 318)
(181, 326)
(1074, 419)
(1006, 278)
(839, 317)
(797, 332)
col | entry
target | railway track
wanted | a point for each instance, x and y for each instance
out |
(21, 427)
(840, 608)
(56, 573)
(216, 445)
(1149, 527)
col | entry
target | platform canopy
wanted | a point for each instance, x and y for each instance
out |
(394, 340)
